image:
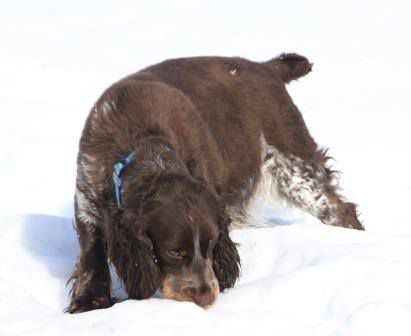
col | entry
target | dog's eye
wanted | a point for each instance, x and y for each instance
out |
(183, 253)
(178, 254)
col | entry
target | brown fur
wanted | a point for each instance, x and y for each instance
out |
(213, 112)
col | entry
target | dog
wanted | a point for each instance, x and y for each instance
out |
(168, 162)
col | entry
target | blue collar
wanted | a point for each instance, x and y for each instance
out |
(118, 169)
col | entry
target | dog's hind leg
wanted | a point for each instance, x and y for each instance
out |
(308, 184)
(92, 283)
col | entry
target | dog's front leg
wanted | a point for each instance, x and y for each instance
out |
(92, 283)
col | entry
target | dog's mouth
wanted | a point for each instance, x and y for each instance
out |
(203, 295)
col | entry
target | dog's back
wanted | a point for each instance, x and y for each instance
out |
(215, 109)
(239, 97)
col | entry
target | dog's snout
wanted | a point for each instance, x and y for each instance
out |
(202, 295)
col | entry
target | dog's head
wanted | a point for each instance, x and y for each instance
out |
(184, 232)
(179, 244)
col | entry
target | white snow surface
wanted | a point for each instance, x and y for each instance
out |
(299, 277)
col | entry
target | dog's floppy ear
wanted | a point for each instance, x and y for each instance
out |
(131, 252)
(226, 261)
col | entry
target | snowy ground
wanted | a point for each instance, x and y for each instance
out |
(299, 277)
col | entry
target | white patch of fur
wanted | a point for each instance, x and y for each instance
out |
(90, 170)
(159, 161)
(289, 180)
(103, 110)
(197, 248)
(83, 209)
(90, 167)
(107, 107)
(88, 157)
(265, 189)
(282, 181)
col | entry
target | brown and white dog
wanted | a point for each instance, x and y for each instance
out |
(189, 142)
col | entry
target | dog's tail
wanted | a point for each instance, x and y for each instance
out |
(290, 66)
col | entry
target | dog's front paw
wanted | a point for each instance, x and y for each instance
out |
(87, 302)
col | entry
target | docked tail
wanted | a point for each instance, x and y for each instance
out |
(290, 66)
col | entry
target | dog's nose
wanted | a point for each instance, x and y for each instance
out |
(202, 295)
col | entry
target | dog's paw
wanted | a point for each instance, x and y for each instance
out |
(87, 302)
(354, 224)
(350, 217)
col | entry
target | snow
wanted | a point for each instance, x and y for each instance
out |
(299, 277)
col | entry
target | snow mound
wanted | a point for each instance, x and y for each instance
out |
(303, 278)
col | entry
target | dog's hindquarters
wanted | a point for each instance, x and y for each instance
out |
(309, 185)
(292, 160)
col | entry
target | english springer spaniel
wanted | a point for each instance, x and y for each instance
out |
(169, 160)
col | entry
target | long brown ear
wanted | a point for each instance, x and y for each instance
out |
(226, 261)
(132, 254)
(290, 66)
